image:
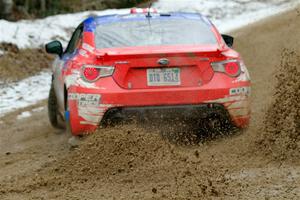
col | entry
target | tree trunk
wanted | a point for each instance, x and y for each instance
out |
(43, 6)
(6, 7)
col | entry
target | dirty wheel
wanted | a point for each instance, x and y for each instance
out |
(53, 114)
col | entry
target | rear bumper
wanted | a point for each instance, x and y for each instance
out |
(192, 102)
(182, 112)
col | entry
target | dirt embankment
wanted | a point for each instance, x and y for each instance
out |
(16, 64)
(130, 162)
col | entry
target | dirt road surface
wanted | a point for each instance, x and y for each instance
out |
(131, 162)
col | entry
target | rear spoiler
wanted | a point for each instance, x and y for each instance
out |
(127, 51)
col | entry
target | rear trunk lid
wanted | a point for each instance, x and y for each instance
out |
(160, 67)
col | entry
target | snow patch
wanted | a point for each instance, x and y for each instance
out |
(35, 33)
(2, 52)
(228, 15)
(24, 93)
(23, 115)
(27, 114)
(38, 109)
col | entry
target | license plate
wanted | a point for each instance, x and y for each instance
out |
(163, 76)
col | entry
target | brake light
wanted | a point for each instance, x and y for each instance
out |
(142, 10)
(91, 73)
(230, 67)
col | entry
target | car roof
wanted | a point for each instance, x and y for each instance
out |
(91, 23)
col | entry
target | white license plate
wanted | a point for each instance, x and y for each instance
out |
(163, 76)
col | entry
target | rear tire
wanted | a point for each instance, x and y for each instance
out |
(53, 114)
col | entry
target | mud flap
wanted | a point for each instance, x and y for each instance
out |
(67, 116)
(68, 124)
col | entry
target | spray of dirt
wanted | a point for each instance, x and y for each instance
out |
(281, 135)
(125, 159)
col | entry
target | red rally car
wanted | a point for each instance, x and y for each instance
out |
(146, 64)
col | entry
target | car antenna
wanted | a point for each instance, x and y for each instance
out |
(148, 16)
(149, 9)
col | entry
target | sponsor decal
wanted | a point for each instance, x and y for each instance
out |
(72, 96)
(242, 78)
(121, 62)
(92, 115)
(240, 91)
(85, 99)
(83, 53)
(74, 79)
(228, 99)
(87, 47)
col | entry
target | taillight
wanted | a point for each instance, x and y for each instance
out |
(230, 67)
(91, 73)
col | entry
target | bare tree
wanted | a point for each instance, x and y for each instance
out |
(6, 8)
(43, 5)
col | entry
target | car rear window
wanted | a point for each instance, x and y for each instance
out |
(154, 32)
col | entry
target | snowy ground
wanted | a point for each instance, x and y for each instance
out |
(35, 33)
(24, 93)
(227, 15)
